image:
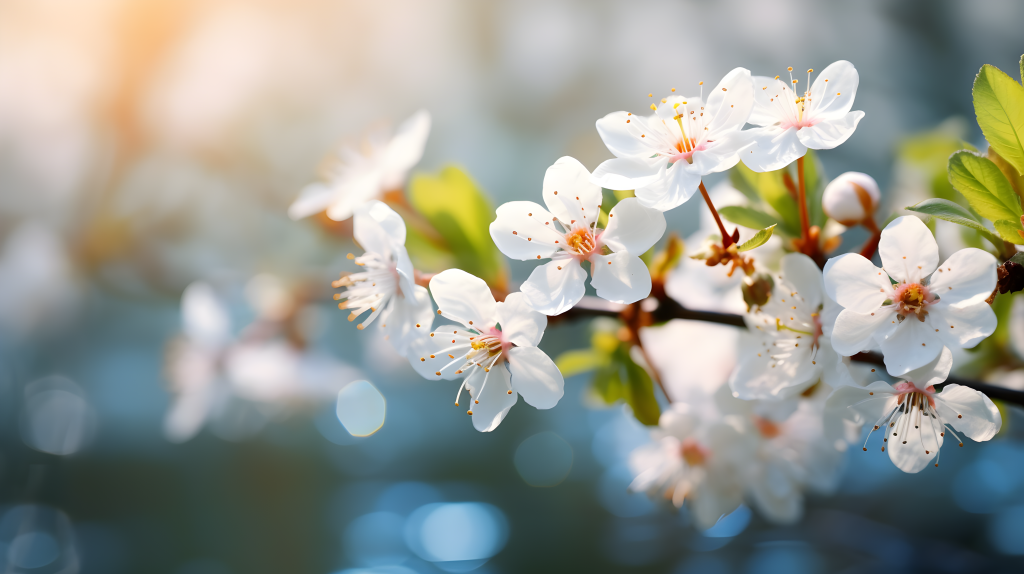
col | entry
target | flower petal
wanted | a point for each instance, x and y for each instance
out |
(523, 230)
(833, 91)
(495, 401)
(967, 277)
(962, 326)
(861, 405)
(828, 134)
(569, 194)
(620, 277)
(443, 351)
(759, 375)
(803, 275)
(769, 108)
(406, 149)
(730, 101)
(908, 250)
(520, 324)
(855, 283)
(912, 345)
(204, 318)
(629, 172)
(672, 189)
(721, 154)
(408, 318)
(632, 227)
(553, 288)
(351, 191)
(621, 138)
(313, 199)
(912, 447)
(535, 376)
(933, 373)
(775, 148)
(854, 332)
(969, 411)
(376, 227)
(464, 298)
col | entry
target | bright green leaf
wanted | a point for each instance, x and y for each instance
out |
(984, 186)
(759, 239)
(999, 105)
(640, 395)
(948, 211)
(1010, 230)
(747, 216)
(572, 363)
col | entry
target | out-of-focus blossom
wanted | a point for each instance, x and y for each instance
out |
(386, 288)
(912, 306)
(39, 282)
(913, 417)
(567, 233)
(664, 156)
(354, 177)
(851, 198)
(498, 339)
(791, 123)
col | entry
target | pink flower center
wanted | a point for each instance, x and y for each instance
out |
(693, 453)
(767, 428)
(683, 154)
(581, 242)
(913, 299)
(906, 389)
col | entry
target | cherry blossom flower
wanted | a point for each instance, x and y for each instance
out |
(791, 123)
(787, 348)
(693, 458)
(385, 288)
(915, 417)
(912, 306)
(494, 344)
(851, 198)
(353, 178)
(567, 233)
(664, 156)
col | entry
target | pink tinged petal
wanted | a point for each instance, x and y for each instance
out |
(962, 326)
(535, 376)
(908, 250)
(670, 191)
(406, 149)
(376, 227)
(620, 277)
(855, 283)
(969, 411)
(854, 332)
(800, 272)
(629, 172)
(524, 230)
(934, 372)
(833, 99)
(313, 199)
(632, 227)
(520, 324)
(861, 405)
(828, 134)
(922, 443)
(408, 318)
(569, 194)
(464, 298)
(721, 154)
(495, 401)
(768, 109)
(913, 344)
(775, 148)
(967, 277)
(622, 138)
(553, 288)
(731, 101)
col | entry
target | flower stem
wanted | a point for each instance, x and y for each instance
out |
(726, 239)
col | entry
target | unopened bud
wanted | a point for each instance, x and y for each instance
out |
(757, 289)
(851, 198)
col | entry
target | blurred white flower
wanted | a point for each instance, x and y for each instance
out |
(568, 235)
(913, 306)
(791, 123)
(352, 178)
(664, 156)
(915, 417)
(497, 339)
(39, 283)
(386, 288)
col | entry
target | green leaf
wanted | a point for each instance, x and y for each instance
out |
(461, 213)
(640, 387)
(747, 216)
(814, 187)
(999, 105)
(948, 211)
(986, 189)
(1010, 230)
(578, 361)
(768, 187)
(759, 239)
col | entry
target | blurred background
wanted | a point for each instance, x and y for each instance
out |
(148, 145)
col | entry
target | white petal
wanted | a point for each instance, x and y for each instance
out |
(854, 332)
(912, 345)
(377, 227)
(730, 101)
(775, 494)
(187, 414)
(523, 230)
(313, 199)
(861, 405)
(406, 148)
(621, 138)
(629, 172)
(721, 154)
(969, 411)
(568, 192)
(520, 324)
(352, 191)
(967, 277)
(535, 376)
(833, 98)
(632, 227)
(803, 274)
(620, 277)
(204, 319)
(443, 351)
(766, 110)
(464, 298)
(962, 326)
(775, 148)
(922, 443)
(853, 282)
(671, 190)
(759, 376)
(553, 288)
(409, 318)
(495, 401)
(828, 134)
(908, 250)
(933, 373)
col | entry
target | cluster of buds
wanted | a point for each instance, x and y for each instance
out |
(713, 253)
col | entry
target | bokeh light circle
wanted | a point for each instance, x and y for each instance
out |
(361, 408)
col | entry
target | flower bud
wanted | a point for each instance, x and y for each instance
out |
(851, 198)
